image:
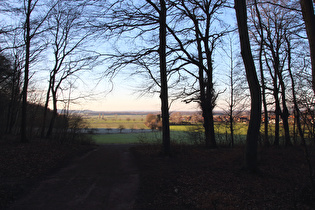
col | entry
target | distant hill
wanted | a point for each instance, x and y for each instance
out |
(95, 113)
(92, 113)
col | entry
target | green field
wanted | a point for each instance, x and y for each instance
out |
(133, 138)
(188, 134)
(115, 121)
(179, 133)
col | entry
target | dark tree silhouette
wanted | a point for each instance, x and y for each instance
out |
(205, 37)
(254, 87)
(309, 19)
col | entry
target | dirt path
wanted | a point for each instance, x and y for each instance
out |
(105, 178)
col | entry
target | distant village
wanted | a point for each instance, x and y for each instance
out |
(189, 117)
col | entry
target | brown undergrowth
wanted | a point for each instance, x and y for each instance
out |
(22, 165)
(197, 178)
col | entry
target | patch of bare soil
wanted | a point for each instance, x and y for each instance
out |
(23, 165)
(197, 178)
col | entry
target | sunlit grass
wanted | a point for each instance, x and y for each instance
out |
(133, 138)
(115, 121)
(179, 133)
(115, 138)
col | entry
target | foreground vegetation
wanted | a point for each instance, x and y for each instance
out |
(192, 178)
(197, 178)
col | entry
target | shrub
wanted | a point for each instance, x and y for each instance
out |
(196, 134)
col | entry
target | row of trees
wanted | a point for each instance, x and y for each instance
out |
(273, 41)
(51, 38)
(176, 45)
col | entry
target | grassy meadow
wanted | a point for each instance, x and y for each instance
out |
(188, 134)
(115, 121)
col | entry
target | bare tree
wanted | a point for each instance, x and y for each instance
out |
(276, 23)
(33, 26)
(163, 75)
(70, 50)
(236, 96)
(254, 87)
(260, 40)
(15, 89)
(144, 21)
(271, 23)
(297, 111)
(198, 49)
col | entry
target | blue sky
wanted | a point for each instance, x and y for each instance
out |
(124, 97)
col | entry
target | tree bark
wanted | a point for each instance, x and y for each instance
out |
(54, 114)
(210, 94)
(210, 101)
(27, 38)
(277, 111)
(285, 113)
(163, 74)
(203, 97)
(254, 87)
(307, 7)
(262, 78)
(46, 110)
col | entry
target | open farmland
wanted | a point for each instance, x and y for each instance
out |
(131, 128)
(117, 121)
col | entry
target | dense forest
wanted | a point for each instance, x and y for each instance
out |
(243, 55)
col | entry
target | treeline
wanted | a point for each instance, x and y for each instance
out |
(65, 128)
(44, 38)
(11, 106)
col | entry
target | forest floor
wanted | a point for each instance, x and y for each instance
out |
(192, 178)
(23, 165)
(199, 178)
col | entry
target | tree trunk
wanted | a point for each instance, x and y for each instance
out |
(298, 121)
(14, 101)
(232, 129)
(276, 97)
(209, 126)
(285, 111)
(254, 87)
(45, 110)
(164, 88)
(309, 19)
(210, 97)
(277, 117)
(210, 105)
(203, 104)
(54, 114)
(27, 38)
(285, 114)
(231, 104)
(262, 78)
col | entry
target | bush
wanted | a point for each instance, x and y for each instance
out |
(121, 128)
(153, 121)
(72, 129)
(196, 134)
